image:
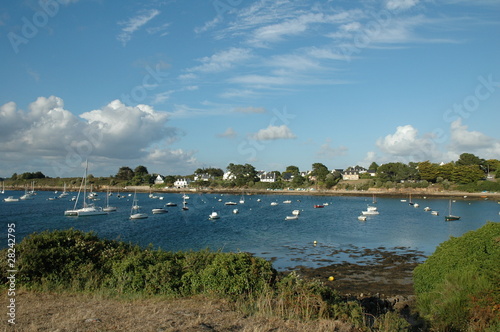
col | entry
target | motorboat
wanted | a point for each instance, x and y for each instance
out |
(11, 199)
(230, 203)
(274, 203)
(287, 201)
(369, 213)
(318, 206)
(371, 208)
(435, 213)
(171, 204)
(362, 218)
(213, 215)
(159, 211)
(235, 211)
(427, 209)
(294, 217)
(295, 212)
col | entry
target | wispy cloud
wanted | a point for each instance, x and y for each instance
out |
(222, 60)
(229, 133)
(135, 23)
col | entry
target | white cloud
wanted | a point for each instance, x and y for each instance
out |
(135, 23)
(273, 133)
(53, 138)
(462, 140)
(405, 144)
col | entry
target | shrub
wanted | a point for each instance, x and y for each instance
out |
(461, 271)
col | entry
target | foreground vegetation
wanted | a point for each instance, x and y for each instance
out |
(74, 261)
(457, 288)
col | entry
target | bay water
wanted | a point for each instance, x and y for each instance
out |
(319, 237)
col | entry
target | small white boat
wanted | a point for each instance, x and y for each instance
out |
(287, 201)
(369, 213)
(292, 217)
(427, 208)
(171, 204)
(258, 199)
(274, 203)
(415, 205)
(213, 215)
(435, 213)
(362, 218)
(230, 203)
(371, 208)
(159, 211)
(11, 199)
(235, 211)
(296, 212)
(403, 200)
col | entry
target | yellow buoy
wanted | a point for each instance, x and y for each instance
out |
(331, 278)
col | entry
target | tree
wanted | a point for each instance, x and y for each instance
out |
(394, 172)
(446, 171)
(469, 159)
(215, 172)
(467, 174)
(320, 171)
(124, 173)
(428, 171)
(293, 169)
(373, 166)
(243, 174)
(141, 170)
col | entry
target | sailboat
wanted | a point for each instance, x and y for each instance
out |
(135, 212)
(450, 217)
(3, 187)
(108, 208)
(184, 203)
(64, 193)
(87, 209)
(242, 199)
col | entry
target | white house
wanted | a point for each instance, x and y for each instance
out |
(228, 176)
(267, 177)
(203, 177)
(352, 173)
(159, 180)
(182, 183)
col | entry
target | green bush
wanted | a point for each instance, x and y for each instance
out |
(71, 260)
(460, 271)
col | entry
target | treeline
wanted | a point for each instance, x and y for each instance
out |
(468, 173)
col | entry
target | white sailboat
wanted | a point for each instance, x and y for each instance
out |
(3, 187)
(87, 209)
(108, 208)
(135, 212)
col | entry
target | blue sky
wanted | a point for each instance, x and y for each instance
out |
(178, 85)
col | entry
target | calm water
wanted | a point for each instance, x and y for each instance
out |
(260, 228)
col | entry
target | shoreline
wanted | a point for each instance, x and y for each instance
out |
(387, 193)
